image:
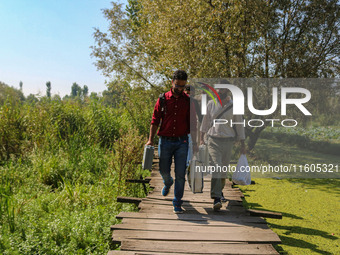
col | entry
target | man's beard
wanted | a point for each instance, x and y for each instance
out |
(176, 91)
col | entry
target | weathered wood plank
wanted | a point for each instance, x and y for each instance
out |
(196, 196)
(193, 198)
(266, 214)
(137, 181)
(206, 191)
(133, 200)
(166, 204)
(158, 180)
(201, 247)
(158, 187)
(191, 217)
(201, 224)
(188, 202)
(190, 228)
(250, 237)
(207, 210)
(145, 253)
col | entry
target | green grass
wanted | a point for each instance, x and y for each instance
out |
(277, 153)
(71, 215)
(330, 133)
(319, 139)
(310, 207)
(62, 165)
(272, 152)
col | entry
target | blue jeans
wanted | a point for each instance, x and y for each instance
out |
(178, 149)
(190, 152)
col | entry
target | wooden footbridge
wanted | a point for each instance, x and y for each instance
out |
(155, 229)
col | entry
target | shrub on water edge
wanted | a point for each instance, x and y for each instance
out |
(65, 200)
(125, 158)
(69, 162)
(11, 127)
(104, 124)
(303, 141)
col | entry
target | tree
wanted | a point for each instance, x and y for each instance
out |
(221, 39)
(20, 85)
(56, 98)
(76, 90)
(305, 40)
(9, 93)
(31, 99)
(267, 39)
(117, 59)
(94, 96)
(85, 91)
(48, 89)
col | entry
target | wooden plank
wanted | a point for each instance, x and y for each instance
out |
(155, 175)
(266, 214)
(250, 237)
(188, 202)
(190, 228)
(137, 181)
(197, 203)
(196, 248)
(159, 181)
(164, 209)
(193, 198)
(192, 217)
(206, 191)
(133, 200)
(201, 224)
(158, 187)
(144, 253)
(236, 208)
(186, 197)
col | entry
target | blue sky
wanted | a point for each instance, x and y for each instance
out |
(49, 40)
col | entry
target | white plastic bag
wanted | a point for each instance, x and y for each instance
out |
(195, 176)
(242, 174)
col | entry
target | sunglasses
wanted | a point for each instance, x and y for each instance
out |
(179, 86)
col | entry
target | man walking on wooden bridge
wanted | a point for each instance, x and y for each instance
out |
(220, 140)
(172, 111)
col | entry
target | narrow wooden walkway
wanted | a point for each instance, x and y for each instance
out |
(155, 229)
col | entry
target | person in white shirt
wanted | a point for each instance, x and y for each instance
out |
(220, 141)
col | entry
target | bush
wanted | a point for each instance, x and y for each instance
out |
(304, 141)
(11, 130)
(63, 164)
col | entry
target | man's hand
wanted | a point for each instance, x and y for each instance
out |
(149, 143)
(153, 130)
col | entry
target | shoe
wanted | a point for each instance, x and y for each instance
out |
(223, 199)
(178, 209)
(217, 204)
(165, 191)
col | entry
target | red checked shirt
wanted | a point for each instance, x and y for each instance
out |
(176, 118)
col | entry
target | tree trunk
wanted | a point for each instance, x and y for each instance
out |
(253, 134)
